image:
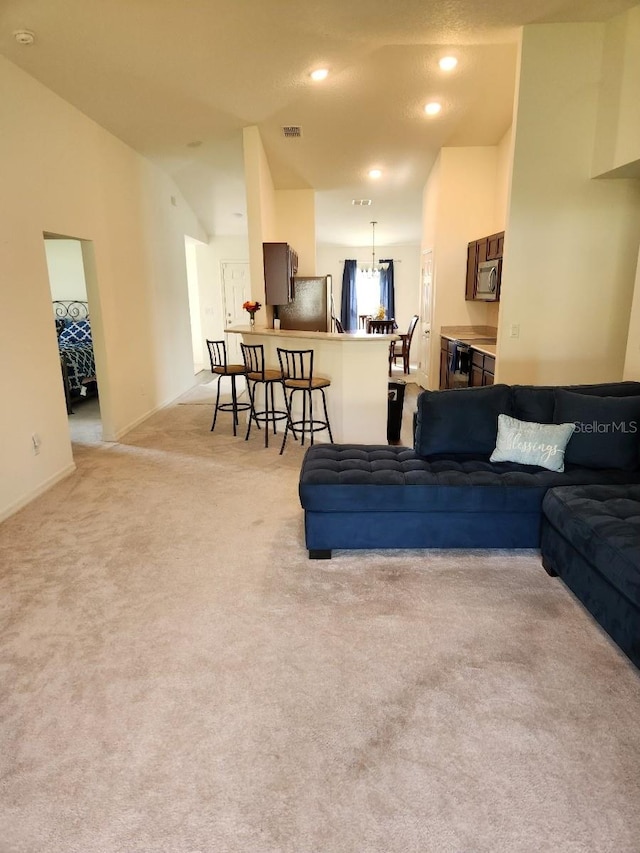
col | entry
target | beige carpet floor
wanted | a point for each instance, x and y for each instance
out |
(178, 677)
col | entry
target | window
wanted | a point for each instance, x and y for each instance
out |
(367, 291)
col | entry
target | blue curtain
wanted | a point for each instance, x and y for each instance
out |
(387, 292)
(348, 306)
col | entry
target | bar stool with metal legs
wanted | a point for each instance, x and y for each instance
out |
(220, 367)
(258, 374)
(297, 369)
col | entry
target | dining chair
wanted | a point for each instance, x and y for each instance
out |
(382, 327)
(401, 348)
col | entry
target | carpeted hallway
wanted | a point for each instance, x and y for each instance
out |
(178, 677)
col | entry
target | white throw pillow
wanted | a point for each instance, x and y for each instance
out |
(531, 443)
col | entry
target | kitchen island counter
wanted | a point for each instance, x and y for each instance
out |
(357, 365)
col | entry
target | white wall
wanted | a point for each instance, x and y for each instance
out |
(464, 199)
(283, 216)
(261, 208)
(617, 144)
(296, 225)
(66, 269)
(406, 271)
(63, 174)
(571, 243)
(632, 355)
(195, 308)
(618, 135)
(220, 250)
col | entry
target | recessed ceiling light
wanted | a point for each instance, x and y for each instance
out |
(448, 63)
(25, 37)
(319, 74)
(432, 108)
(375, 173)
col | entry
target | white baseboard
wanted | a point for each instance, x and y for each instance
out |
(41, 489)
(122, 432)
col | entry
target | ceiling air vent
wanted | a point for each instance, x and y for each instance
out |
(292, 131)
(361, 202)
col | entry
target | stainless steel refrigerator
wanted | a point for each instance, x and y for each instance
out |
(310, 309)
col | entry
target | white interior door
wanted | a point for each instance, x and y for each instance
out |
(236, 287)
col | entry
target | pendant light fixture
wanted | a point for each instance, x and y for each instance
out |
(373, 246)
(375, 268)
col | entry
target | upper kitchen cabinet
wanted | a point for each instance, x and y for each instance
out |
(483, 278)
(280, 266)
(495, 245)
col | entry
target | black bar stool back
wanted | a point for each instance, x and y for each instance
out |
(297, 369)
(220, 367)
(258, 374)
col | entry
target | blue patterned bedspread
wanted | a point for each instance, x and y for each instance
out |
(80, 366)
(76, 346)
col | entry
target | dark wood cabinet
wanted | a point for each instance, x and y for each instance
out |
(482, 253)
(485, 249)
(475, 379)
(483, 368)
(494, 246)
(446, 347)
(280, 266)
(472, 269)
(489, 373)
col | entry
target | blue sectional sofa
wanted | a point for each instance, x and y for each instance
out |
(591, 539)
(445, 492)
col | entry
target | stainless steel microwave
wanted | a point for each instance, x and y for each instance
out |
(487, 281)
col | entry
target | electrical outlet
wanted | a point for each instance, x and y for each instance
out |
(514, 330)
(35, 441)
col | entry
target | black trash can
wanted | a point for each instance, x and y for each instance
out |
(394, 411)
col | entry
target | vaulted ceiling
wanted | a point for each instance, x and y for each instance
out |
(178, 80)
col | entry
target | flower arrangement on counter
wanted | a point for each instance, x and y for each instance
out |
(381, 313)
(251, 308)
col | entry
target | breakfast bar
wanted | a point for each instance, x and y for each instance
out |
(357, 365)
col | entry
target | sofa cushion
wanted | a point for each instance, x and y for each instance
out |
(533, 403)
(606, 434)
(349, 477)
(602, 523)
(463, 420)
(531, 443)
(537, 402)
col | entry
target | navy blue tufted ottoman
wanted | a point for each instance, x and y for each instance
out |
(368, 496)
(591, 539)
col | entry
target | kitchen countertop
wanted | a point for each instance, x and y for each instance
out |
(487, 349)
(341, 338)
(467, 334)
(480, 338)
